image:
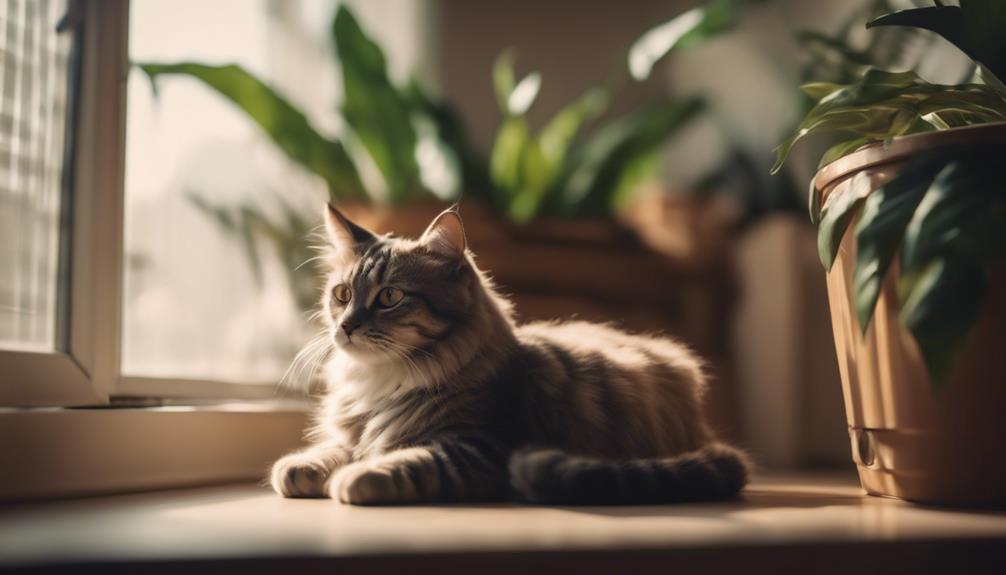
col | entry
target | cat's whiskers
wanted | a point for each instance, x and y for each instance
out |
(311, 259)
(319, 360)
(309, 357)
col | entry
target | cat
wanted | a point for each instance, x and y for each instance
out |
(435, 394)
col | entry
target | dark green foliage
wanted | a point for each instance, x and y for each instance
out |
(281, 121)
(944, 211)
(976, 27)
(561, 170)
(884, 105)
(379, 114)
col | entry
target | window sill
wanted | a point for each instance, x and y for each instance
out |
(46, 453)
(798, 524)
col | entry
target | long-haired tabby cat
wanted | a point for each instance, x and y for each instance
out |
(436, 394)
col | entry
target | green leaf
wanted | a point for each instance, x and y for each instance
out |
(636, 172)
(841, 150)
(527, 199)
(514, 98)
(976, 27)
(508, 149)
(984, 23)
(940, 311)
(947, 21)
(287, 126)
(557, 136)
(885, 216)
(884, 105)
(524, 94)
(818, 90)
(987, 77)
(376, 110)
(504, 80)
(814, 202)
(454, 134)
(543, 156)
(688, 29)
(948, 215)
(597, 172)
(836, 215)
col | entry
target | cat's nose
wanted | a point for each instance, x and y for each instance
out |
(349, 326)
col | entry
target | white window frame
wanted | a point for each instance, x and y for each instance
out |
(88, 372)
(192, 438)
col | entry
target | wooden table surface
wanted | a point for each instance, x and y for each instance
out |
(803, 524)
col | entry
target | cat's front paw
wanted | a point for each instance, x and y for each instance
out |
(300, 475)
(362, 484)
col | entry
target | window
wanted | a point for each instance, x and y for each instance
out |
(48, 299)
(119, 277)
(217, 220)
(204, 299)
(34, 84)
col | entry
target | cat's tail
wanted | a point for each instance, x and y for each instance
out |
(716, 471)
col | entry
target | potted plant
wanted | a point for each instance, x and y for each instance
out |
(911, 218)
(558, 187)
(540, 210)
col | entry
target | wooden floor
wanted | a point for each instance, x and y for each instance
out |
(800, 524)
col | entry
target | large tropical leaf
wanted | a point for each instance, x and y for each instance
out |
(941, 309)
(557, 136)
(513, 137)
(514, 98)
(950, 218)
(597, 175)
(976, 27)
(525, 166)
(957, 230)
(453, 133)
(842, 149)
(685, 30)
(945, 211)
(885, 216)
(505, 166)
(287, 126)
(504, 79)
(884, 105)
(378, 113)
(836, 215)
(947, 21)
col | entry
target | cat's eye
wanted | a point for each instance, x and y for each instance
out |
(342, 293)
(389, 297)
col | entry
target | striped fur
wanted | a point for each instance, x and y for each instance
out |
(438, 396)
(716, 471)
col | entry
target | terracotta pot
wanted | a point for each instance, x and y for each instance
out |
(908, 442)
(595, 270)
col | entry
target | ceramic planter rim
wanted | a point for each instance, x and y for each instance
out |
(901, 148)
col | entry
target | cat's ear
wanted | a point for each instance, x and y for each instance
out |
(446, 235)
(347, 238)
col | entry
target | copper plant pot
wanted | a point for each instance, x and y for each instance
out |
(908, 442)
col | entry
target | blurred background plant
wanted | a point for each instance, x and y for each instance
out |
(399, 145)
